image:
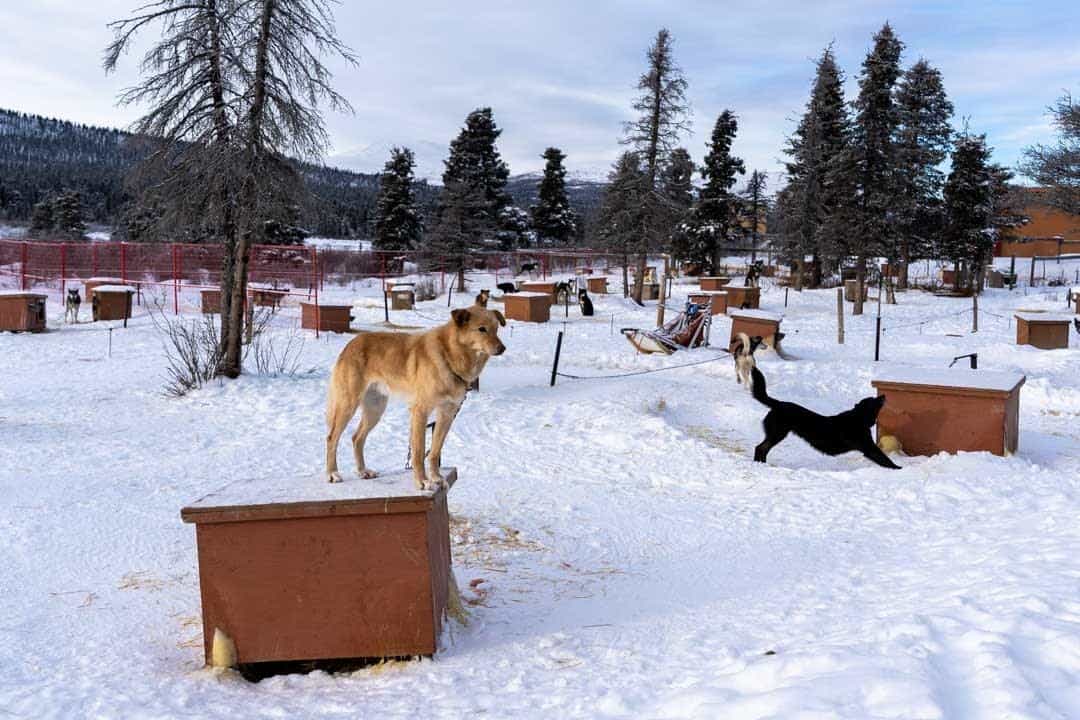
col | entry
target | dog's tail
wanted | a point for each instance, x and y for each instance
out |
(744, 344)
(758, 388)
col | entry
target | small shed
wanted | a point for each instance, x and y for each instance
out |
(747, 298)
(719, 300)
(1048, 331)
(331, 318)
(305, 570)
(755, 322)
(713, 282)
(22, 311)
(528, 306)
(111, 302)
(932, 410)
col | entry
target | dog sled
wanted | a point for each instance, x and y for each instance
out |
(689, 329)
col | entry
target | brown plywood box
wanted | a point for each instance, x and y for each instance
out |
(719, 300)
(1043, 330)
(948, 277)
(91, 283)
(22, 311)
(111, 302)
(713, 282)
(851, 289)
(211, 301)
(597, 285)
(934, 410)
(539, 287)
(310, 570)
(332, 318)
(402, 297)
(268, 297)
(650, 291)
(527, 306)
(747, 298)
(755, 322)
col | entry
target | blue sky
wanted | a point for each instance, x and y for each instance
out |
(562, 73)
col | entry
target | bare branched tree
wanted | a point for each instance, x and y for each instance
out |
(1057, 167)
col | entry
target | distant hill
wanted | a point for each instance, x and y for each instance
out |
(40, 156)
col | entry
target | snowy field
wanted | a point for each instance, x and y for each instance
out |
(621, 554)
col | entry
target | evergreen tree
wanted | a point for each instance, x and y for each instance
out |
(663, 115)
(755, 208)
(67, 210)
(398, 224)
(865, 225)
(461, 220)
(620, 218)
(41, 222)
(816, 182)
(715, 217)
(677, 188)
(923, 138)
(552, 217)
(969, 206)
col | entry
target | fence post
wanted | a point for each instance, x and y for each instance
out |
(123, 262)
(175, 284)
(63, 267)
(315, 273)
(877, 339)
(93, 259)
(840, 315)
(24, 255)
(385, 304)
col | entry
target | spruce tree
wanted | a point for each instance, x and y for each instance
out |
(398, 224)
(969, 207)
(923, 138)
(677, 188)
(755, 207)
(622, 208)
(816, 183)
(476, 166)
(663, 114)
(715, 217)
(867, 226)
(41, 221)
(552, 218)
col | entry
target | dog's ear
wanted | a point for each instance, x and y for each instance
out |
(500, 318)
(460, 316)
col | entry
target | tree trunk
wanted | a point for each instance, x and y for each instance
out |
(815, 271)
(905, 258)
(860, 283)
(800, 268)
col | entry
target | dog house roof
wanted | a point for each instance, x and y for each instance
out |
(114, 288)
(312, 496)
(1040, 317)
(949, 378)
(528, 294)
(21, 293)
(756, 315)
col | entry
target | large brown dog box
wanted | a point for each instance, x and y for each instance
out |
(718, 297)
(755, 322)
(22, 311)
(747, 298)
(1043, 330)
(851, 290)
(713, 282)
(528, 306)
(91, 283)
(539, 287)
(932, 410)
(304, 569)
(111, 302)
(332, 318)
(267, 296)
(211, 301)
(597, 285)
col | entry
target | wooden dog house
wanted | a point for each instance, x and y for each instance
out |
(263, 296)
(712, 282)
(851, 288)
(596, 285)
(211, 301)
(111, 302)
(302, 570)
(650, 291)
(528, 306)
(948, 277)
(719, 300)
(755, 322)
(89, 285)
(932, 410)
(332, 318)
(746, 298)
(1076, 300)
(22, 311)
(402, 296)
(539, 287)
(1043, 330)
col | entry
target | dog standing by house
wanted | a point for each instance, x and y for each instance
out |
(585, 302)
(563, 290)
(743, 351)
(832, 434)
(433, 370)
(71, 306)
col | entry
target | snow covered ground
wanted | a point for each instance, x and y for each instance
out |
(633, 561)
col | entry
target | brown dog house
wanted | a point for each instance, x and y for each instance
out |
(22, 311)
(755, 322)
(747, 298)
(713, 282)
(650, 291)
(948, 277)
(950, 410)
(331, 318)
(267, 296)
(1043, 330)
(402, 297)
(719, 300)
(211, 301)
(596, 285)
(539, 287)
(851, 288)
(528, 306)
(89, 285)
(303, 570)
(111, 302)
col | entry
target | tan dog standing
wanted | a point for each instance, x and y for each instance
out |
(433, 370)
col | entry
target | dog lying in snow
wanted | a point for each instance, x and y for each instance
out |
(743, 351)
(433, 370)
(832, 435)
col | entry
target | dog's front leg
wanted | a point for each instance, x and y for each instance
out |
(444, 417)
(417, 433)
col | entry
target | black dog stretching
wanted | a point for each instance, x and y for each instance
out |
(832, 435)
(528, 267)
(507, 287)
(585, 302)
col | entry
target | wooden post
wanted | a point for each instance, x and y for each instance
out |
(663, 293)
(1031, 276)
(975, 312)
(22, 266)
(63, 267)
(840, 315)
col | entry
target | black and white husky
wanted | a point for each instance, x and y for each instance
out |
(743, 351)
(585, 302)
(71, 306)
